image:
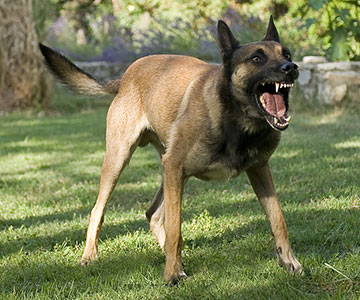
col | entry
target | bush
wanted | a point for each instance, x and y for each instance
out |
(124, 30)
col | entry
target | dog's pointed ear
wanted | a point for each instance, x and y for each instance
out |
(272, 33)
(227, 41)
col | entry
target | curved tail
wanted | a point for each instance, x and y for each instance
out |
(74, 77)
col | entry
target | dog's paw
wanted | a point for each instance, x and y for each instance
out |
(86, 260)
(293, 268)
(289, 262)
(174, 279)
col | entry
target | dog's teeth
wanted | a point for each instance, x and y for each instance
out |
(281, 85)
(275, 121)
(262, 100)
(277, 86)
(288, 118)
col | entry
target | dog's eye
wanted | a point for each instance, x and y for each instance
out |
(256, 58)
(287, 55)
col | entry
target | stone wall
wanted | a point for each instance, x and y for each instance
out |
(319, 80)
(102, 70)
(329, 83)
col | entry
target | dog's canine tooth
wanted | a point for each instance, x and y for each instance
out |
(262, 100)
(288, 118)
(277, 86)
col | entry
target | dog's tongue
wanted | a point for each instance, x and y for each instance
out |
(274, 104)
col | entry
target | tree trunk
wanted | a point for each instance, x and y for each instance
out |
(24, 81)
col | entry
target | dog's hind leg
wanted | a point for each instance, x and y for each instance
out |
(155, 215)
(261, 181)
(123, 135)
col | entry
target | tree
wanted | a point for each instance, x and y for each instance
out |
(335, 23)
(24, 82)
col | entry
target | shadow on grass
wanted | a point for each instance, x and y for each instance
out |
(30, 277)
(72, 236)
(315, 232)
(216, 255)
(35, 220)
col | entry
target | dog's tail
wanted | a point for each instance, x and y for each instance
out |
(77, 79)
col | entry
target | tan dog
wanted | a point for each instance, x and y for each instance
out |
(208, 121)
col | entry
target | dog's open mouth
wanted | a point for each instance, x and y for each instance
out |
(272, 99)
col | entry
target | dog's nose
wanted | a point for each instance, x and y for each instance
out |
(290, 68)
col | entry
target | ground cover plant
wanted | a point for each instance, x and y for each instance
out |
(49, 173)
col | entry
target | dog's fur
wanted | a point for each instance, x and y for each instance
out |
(208, 121)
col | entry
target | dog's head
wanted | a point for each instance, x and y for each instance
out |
(260, 74)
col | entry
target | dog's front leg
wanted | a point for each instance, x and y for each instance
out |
(173, 189)
(261, 181)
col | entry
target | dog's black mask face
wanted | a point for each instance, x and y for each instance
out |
(261, 75)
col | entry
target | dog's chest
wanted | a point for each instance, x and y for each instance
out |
(231, 160)
(241, 151)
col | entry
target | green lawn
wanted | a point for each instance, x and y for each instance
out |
(49, 173)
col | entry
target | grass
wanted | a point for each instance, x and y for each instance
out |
(49, 173)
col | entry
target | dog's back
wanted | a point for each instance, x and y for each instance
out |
(164, 84)
(151, 83)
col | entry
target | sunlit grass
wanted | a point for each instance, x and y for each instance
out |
(49, 173)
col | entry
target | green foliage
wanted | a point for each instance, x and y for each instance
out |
(334, 25)
(314, 27)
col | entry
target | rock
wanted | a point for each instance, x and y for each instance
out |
(329, 94)
(333, 66)
(314, 59)
(330, 83)
(333, 86)
(304, 77)
(102, 70)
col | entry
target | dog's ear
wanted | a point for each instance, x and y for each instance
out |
(272, 33)
(227, 42)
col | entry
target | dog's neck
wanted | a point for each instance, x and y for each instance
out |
(242, 134)
(242, 114)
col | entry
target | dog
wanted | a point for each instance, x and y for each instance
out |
(205, 120)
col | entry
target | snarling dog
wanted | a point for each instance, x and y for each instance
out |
(208, 121)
